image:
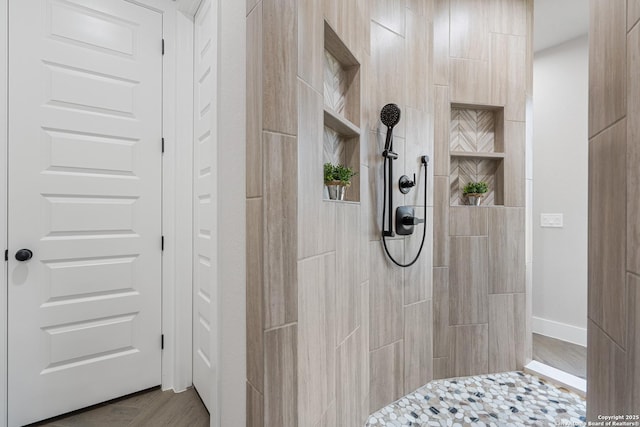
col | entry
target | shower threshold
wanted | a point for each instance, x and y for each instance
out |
(558, 377)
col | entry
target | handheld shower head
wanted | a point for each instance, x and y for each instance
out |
(389, 116)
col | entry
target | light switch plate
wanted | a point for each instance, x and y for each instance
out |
(553, 220)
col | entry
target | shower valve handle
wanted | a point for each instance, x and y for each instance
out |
(411, 220)
(406, 184)
(406, 220)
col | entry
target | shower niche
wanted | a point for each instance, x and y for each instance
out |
(476, 149)
(341, 133)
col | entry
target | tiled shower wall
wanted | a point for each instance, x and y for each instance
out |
(335, 331)
(399, 62)
(613, 362)
(482, 57)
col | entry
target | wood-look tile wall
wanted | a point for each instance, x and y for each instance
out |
(308, 272)
(479, 297)
(400, 69)
(273, 328)
(613, 359)
(336, 330)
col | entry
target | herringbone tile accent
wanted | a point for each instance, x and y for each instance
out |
(335, 84)
(486, 171)
(332, 147)
(467, 170)
(484, 131)
(454, 182)
(472, 131)
(454, 133)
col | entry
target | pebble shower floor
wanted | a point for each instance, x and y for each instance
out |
(496, 400)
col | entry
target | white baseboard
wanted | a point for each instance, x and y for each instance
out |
(561, 331)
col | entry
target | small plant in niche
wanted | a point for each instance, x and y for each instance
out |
(475, 188)
(328, 173)
(475, 191)
(337, 178)
(338, 174)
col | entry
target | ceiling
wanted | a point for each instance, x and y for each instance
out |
(556, 21)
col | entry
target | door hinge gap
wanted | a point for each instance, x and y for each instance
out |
(163, 46)
(162, 243)
(6, 254)
(162, 342)
(163, 145)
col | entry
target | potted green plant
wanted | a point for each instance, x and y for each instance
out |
(337, 178)
(474, 192)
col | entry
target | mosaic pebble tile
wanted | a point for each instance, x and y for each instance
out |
(495, 400)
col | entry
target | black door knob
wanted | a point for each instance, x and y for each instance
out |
(24, 255)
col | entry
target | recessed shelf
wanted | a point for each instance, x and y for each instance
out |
(461, 106)
(346, 202)
(333, 44)
(341, 111)
(476, 151)
(477, 155)
(340, 124)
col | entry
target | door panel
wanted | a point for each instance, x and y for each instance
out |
(85, 100)
(204, 150)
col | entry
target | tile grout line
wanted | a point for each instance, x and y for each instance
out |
(422, 301)
(371, 350)
(275, 328)
(403, 37)
(254, 387)
(348, 336)
(276, 133)
(600, 132)
(607, 335)
(317, 256)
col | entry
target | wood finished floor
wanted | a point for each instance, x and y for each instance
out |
(147, 408)
(561, 355)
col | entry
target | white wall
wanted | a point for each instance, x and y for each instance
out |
(560, 153)
(231, 212)
(4, 39)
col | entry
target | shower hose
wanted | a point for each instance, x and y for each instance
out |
(424, 226)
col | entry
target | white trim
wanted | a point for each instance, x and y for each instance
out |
(183, 153)
(205, 376)
(561, 331)
(188, 7)
(160, 6)
(176, 374)
(564, 379)
(170, 287)
(231, 200)
(176, 213)
(528, 227)
(4, 57)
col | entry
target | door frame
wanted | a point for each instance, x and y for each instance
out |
(177, 215)
(177, 219)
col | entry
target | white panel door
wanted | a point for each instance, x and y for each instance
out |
(204, 151)
(85, 102)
